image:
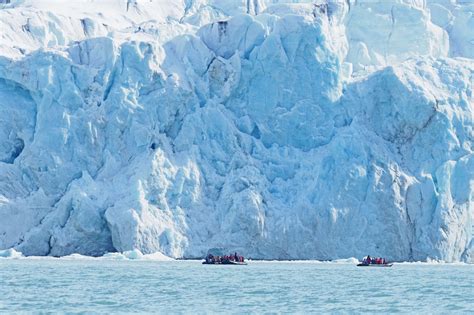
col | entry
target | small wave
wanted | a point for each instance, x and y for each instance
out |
(351, 260)
(431, 262)
(76, 257)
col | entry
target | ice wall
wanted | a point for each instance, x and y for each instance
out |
(290, 130)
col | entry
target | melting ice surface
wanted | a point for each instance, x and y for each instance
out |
(88, 285)
(303, 130)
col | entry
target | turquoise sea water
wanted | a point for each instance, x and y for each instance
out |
(98, 286)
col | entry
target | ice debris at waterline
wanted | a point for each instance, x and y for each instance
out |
(10, 253)
(128, 255)
(283, 131)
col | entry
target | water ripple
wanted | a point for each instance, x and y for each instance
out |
(189, 287)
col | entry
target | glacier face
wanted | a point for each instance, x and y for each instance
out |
(307, 130)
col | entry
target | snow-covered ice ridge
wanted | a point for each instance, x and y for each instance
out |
(299, 130)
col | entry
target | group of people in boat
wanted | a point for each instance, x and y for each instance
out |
(211, 259)
(374, 261)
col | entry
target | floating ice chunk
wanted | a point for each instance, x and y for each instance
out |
(10, 253)
(136, 255)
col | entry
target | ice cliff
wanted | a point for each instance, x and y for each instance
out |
(309, 130)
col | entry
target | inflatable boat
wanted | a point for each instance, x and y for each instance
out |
(217, 256)
(374, 265)
(226, 262)
(374, 262)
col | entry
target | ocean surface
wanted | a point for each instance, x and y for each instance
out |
(127, 286)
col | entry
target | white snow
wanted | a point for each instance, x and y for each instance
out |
(278, 129)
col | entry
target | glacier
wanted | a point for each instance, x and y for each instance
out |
(278, 129)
